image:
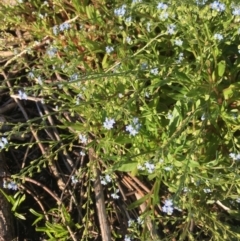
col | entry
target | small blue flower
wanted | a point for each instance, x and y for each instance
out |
(64, 26)
(108, 123)
(31, 75)
(236, 11)
(10, 185)
(128, 20)
(55, 30)
(217, 6)
(163, 16)
(22, 95)
(162, 6)
(109, 49)
(51, 51)
(121, 11)
(168, 207)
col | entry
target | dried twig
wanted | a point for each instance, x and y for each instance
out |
(100, 203)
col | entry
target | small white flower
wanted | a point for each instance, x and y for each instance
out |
(236, 11)
(135, 120)
(154, 71)
(169, 116)
(130, 222)
(4, 183)
(218, 36)
(168, 168)
(74, 179)
(31, 75)
(77, 101)
(128, 40)
(108, 123)
(178, 42)
(39, 80)
(103, 182)
(127, 238)
(180, 58)
(22, 95)
(139, 220)
(201, 2)
(115, 195)
(146, 94)
(108, 178)
(109, 49)
(171, 29)
(4, 140)
(120, 95)
(83, 138)
(203, 117)
(163, 16)
(150, 167)
(185, 189)
(82, 153)
(234, 156)
(207, 190)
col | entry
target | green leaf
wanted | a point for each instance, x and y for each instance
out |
(139, 202)
(228, 93)
(221, 68)
(20, 216)
(127, 166)
(156, 191)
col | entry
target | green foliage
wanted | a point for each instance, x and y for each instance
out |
(171, 87)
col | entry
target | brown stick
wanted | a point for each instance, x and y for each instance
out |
(100, 203)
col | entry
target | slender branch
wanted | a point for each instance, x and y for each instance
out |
(100, 202)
